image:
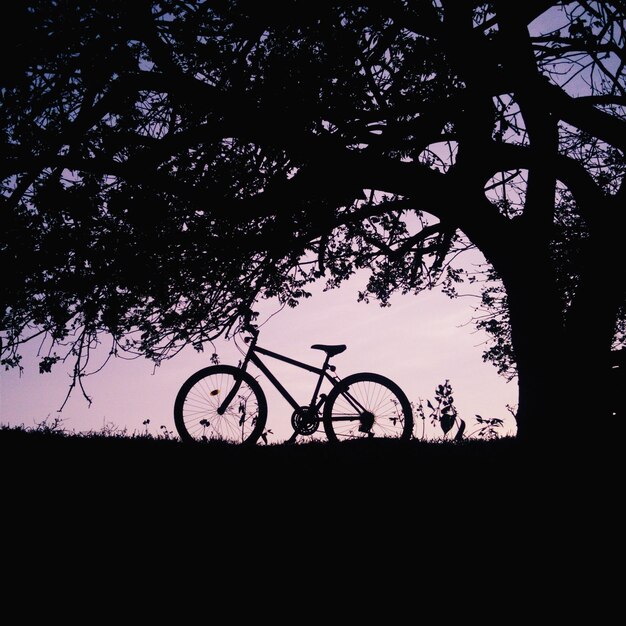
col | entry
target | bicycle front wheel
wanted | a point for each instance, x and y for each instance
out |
(367, 405)
(200, 413)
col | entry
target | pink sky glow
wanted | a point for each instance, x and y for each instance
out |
(418, 342)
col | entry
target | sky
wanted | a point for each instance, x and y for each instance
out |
(419, 342)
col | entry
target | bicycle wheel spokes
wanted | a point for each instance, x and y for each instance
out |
(201, 415)
(197, 411)
(367, 405)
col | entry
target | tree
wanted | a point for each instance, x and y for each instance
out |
(167, 163)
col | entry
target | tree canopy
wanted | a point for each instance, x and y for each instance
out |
(167, 163)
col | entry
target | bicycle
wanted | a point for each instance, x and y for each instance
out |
(223, 402)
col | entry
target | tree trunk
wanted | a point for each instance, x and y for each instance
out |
(538, 342)
(590, 328)
(562, 359)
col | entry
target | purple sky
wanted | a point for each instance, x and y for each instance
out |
(418, 342)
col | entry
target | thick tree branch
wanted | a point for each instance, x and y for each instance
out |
(570, 172)
(540, 124)
(580, 113)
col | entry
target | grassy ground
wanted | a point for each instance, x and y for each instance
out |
(368, 493)
(31, 448)
(45, 461)
(97, 449)
(392, 518)
(377, 467)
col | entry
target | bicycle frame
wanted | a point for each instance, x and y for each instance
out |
(251, 356)
(322, 373)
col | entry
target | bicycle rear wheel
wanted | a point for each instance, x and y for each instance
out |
(196, 409)
(367, 405)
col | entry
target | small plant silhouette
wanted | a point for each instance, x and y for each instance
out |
(265, 434)
(444, 414)
(50, 425)
(488, 427)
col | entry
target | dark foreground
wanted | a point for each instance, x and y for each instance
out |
(381, 495)
(49, 461)
(128, 463)
(31, 450)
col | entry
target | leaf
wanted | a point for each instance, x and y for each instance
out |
(45, 365)
(461, 431)
(447, 422)
(430, 406)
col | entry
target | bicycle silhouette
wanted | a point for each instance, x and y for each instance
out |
(226, 403)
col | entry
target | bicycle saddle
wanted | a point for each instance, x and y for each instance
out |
(330, 350)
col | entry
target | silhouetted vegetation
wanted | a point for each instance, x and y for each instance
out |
(443, 413)
(166, 164)
(309, 455)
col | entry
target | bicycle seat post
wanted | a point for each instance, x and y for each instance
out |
(319, 383)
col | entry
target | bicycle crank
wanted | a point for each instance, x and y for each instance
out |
(366, 421)
(304, 422)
